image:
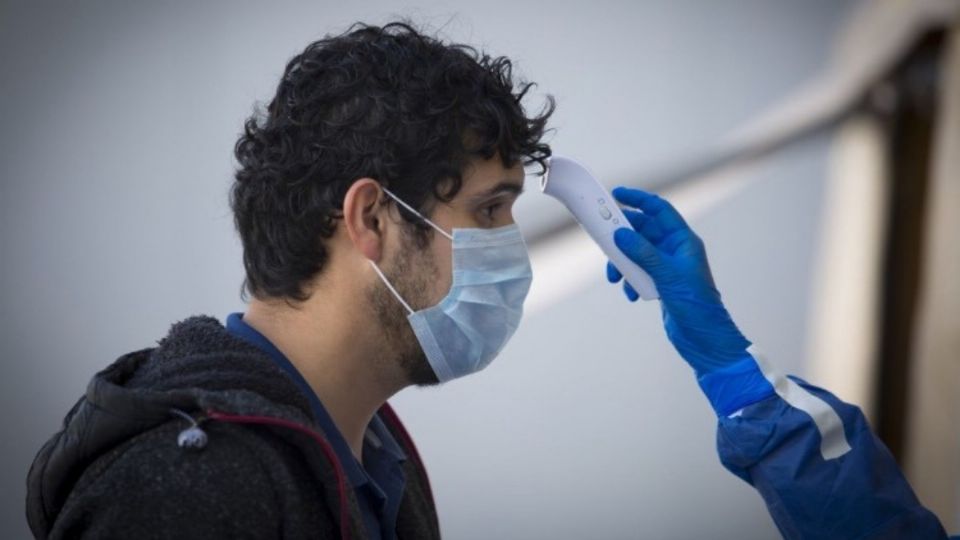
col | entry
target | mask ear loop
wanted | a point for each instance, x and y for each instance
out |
(418, 214)
(390, 286)
(377, 268)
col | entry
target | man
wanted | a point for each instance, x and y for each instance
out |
(277, 425)
(374, 204)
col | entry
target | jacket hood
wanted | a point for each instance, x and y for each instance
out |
(198, 366)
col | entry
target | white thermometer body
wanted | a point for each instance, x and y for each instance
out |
(597, 213)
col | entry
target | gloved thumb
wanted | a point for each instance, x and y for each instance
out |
(639, 250)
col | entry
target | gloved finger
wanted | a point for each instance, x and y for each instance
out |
(630, 196)
(613, 275)
(644, 225)
(638, 249)
(665, 214)
(631, 294)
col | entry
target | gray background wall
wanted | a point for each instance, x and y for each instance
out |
(118, 120)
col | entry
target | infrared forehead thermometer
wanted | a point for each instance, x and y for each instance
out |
(597, 213)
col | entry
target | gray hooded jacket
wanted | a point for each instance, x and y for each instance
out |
(204, 437)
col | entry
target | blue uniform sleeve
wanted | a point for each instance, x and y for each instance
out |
(856, 491)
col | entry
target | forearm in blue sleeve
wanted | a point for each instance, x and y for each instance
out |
(822, 474)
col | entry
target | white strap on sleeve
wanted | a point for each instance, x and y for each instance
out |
(833, 440)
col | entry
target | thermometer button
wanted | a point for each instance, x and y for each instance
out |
(605, 212)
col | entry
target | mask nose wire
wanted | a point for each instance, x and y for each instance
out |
(418, 214)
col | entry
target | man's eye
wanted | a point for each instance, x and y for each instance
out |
(491, 209)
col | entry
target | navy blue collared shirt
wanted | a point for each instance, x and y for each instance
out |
(379, 481)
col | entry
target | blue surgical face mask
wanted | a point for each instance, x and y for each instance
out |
(469, 327)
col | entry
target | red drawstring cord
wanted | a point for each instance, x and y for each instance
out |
(327, 450)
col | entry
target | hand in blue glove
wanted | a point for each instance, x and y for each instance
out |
(663, 245)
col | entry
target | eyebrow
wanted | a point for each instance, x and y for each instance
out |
(508, 187)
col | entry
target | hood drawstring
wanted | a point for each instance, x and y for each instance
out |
(193, 437)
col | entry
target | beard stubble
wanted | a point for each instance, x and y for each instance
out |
(410, 271)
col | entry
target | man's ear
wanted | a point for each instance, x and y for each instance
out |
(364, 218)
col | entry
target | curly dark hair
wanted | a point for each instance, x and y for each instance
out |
(388, 103)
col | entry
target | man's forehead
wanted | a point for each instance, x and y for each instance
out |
(506, 187)
(489, 178)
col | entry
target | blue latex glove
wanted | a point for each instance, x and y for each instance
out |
(662, 243)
